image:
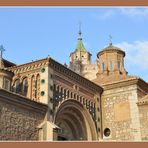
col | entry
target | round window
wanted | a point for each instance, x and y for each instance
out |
(107, 132)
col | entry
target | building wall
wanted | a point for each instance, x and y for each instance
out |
(89, 71)
(83, 56)
(120, 113)
(143, 110)
(19, 118)
(36, 74)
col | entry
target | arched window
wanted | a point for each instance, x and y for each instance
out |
(111, 65)
(37, 87)
(17, 86)
(6, 84)
(25, 86)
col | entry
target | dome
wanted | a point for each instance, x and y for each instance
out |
(111, 48)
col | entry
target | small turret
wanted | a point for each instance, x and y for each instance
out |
(80, 56)
(111, 61)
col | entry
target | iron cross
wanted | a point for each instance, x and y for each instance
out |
(110, 39)
(1, 51)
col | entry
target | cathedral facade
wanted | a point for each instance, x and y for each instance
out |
(46, 101)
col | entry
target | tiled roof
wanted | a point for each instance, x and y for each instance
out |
(80, 46)
(112, 48)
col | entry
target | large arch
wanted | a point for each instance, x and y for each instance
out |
(75, 122)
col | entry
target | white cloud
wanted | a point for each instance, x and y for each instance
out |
(131, 12)
(134, 12)
(136, 53)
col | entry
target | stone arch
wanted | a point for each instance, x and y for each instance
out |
(75, 119)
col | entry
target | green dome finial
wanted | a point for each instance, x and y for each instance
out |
(80, 33)
(80, 46)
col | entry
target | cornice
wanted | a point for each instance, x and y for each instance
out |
(4, 70)
(29, 66)
(127, 82)
(143, 101)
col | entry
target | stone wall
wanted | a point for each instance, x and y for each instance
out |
(120, 113)
(89, 71)
(143, 109)
(19, 119)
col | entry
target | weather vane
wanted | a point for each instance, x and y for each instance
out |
(110, 40)
(79, 28)
(1, 51)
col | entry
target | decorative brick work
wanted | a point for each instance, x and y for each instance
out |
(112, 116)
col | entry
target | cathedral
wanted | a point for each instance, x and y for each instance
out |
(44, 100)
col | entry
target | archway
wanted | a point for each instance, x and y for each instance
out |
(75, 122)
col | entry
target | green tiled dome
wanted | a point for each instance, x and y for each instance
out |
(80, 46)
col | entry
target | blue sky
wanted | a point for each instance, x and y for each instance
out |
(34, 33)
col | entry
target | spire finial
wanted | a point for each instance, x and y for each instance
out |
(1, 51)
(110, 40)
(80, 38)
